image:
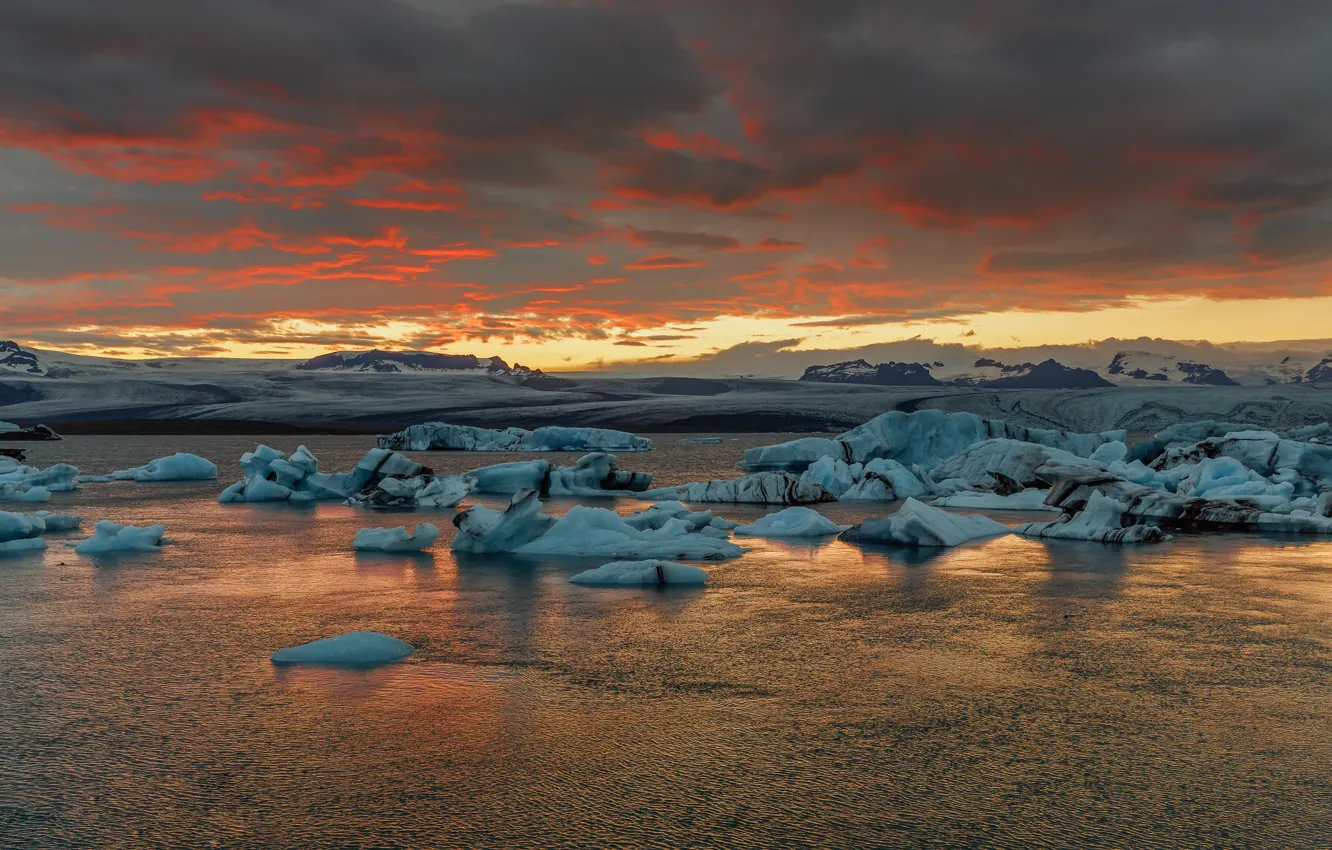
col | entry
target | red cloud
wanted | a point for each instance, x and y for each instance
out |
(663, 261)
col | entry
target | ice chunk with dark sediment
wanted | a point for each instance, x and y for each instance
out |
(762, 488)
(1101, 520)
(621, 573)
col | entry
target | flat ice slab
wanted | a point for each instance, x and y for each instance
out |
(111, 536)
(619, 573)
(396, 539)
(792, 522)
(353, 649)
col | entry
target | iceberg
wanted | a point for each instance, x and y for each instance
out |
(585, 532)
(1001, 465)
(419, 491)
(29, 493)
(22, 545)
(1307, 466)
(792, 522)
(761, 488)
(923, 438)
(180, 466)
(700, 441)
(271, 476)
(396, 539)
(60, 477)
(918, 524)
(594, 474)
(353, 649)
(19, 526)
(57, 522)
(1023, 500)
(884, 480)
(832, 474)
(111, 536)
(640, 573)
(1101, 521)
(441, 436)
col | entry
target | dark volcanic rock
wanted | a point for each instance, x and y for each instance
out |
(891, 374)
(413, 361)
(1049, 375)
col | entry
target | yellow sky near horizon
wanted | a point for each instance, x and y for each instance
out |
(1232, 321)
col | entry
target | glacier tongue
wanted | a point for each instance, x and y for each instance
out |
(442, 436)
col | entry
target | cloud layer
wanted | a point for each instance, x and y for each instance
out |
(208, 176)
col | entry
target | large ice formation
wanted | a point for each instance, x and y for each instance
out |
(441, 436)
(761, 488)
(792, 522)
(180, 466)
(396, 539)
(1101, 520)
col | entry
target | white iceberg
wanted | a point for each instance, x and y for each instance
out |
(60, 477)
(27, 493)
(271, 476)
(181, 466)
(884, 480)
(594, 474)
(396, 539)
(640, 573)
(441, 436)
(57, 522)
(353, 649)
(761, 488)
(832, 474)
(111, 536)
(19, 526)
(584, 532)
(1023, 500)
(792, 522)
(1101, 521)
(923, 438)
(419, 491)
(918, 524)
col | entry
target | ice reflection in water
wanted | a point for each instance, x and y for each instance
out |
(1010, 693)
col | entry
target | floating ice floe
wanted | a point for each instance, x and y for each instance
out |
(353, 649)
(272, 476)
(396, 539)
(619, 573)
(22, 483)
(587, 532)
(57, 522)
(1023, 500)
(181, 466)
(792, 522)
(441, 436)
(417, 491)
(19, 526)
(22, 545)
(922, 438)
(28, 493)
(918, 524)
(761, 488)
(700, 441)
(111, 536)
(1101, 521)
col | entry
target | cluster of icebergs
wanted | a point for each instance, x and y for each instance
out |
(23, 532)
(22, 483)
(441, 436)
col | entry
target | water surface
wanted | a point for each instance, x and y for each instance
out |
(1010, 693)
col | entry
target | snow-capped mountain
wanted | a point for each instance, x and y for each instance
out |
(892, 374)
(15, 358)
(1046, 375)
(413, 361)
(1146, 366)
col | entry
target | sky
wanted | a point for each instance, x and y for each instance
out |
(642, 181)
